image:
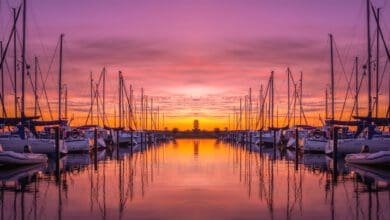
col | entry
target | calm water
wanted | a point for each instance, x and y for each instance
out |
(195, 179)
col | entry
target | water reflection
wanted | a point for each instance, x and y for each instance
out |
(345, 187)
(196, 149)
(172, 181)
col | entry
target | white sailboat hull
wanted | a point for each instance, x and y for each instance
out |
(268, 138)
(39, 146)
(314, 145)
(352, 146)
(124, 138)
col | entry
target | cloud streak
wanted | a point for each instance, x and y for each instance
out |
(196, 58)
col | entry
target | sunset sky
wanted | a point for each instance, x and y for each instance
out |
(196, 58)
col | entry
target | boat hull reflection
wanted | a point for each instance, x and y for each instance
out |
(195, 179)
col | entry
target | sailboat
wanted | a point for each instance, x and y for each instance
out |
(354, 145)
(124, 138)
(316, 140)
(290, 135)
(76, 141)
(268, 138)
(24, 133)
(89, 132)
(366, 134)
(21, 137)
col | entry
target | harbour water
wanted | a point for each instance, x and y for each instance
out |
(195, 179)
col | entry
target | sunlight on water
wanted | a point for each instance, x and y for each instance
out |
(195, 179)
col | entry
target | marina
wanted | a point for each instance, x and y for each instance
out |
(116, 117)
(193, 178)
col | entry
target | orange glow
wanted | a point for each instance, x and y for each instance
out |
(203, 179)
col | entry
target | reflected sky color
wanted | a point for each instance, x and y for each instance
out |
(197, 58)
(195, 179)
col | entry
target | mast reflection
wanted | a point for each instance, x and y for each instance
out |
(278, 174)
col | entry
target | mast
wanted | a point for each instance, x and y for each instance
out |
(146, 113)
(261, 106)
(91, 94)
(369, 59)
(250, 108)
(104, 96)
(288, 96)
(295, 104)
(66, 101)
(35, 85)
(23, 58)
(59, 79)
(151, 113)
(123, 87)
(142, 109)
(97, 96)
(120, 98)
(240, 114)
(326, 103)
(300, 98)
(131, 107)
(356, 86)
(384, 44)
(123, 117)
(377, 67)
(272, 101)
(2, 79)
(332, 74)
(245, 112)
(15, 70)
(135, 113)
(269, 101)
